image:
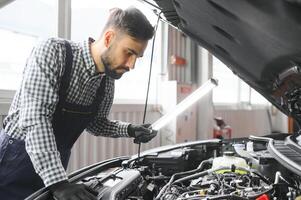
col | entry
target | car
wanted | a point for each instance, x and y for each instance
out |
(259, 40)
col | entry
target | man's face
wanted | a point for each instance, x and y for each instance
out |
(121, 55)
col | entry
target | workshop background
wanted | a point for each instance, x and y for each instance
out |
(179, 67)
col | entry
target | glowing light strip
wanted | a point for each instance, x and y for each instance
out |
(184, 104)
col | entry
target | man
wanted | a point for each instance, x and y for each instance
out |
(68, 88)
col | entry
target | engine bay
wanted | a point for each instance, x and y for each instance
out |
(235, 169)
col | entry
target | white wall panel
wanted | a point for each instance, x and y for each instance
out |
(1, 120)
(246, 122)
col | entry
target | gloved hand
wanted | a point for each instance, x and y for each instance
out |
(71, 191)
(141, 133)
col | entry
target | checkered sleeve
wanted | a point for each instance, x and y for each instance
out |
(39, 98)
(101, 125)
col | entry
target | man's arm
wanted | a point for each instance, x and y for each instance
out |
(104, 127)
(39, 97)
(101, 125)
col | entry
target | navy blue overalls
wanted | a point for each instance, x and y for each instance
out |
(17, 176)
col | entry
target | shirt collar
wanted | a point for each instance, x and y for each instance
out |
(88, 60)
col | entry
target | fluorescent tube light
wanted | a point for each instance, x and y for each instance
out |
(184, 104)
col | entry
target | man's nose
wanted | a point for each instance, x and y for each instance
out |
(131, 62)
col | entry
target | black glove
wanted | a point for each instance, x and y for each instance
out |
(70, 191)
(141, 133)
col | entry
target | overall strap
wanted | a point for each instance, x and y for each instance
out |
(100, 93)
(65, 81)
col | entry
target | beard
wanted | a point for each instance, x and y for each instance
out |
(107, 62)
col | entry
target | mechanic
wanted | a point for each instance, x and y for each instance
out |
(67, 88)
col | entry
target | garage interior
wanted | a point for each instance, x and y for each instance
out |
(179, 67)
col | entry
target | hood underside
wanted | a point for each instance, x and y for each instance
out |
(259, 40)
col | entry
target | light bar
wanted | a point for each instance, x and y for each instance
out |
(183, 105)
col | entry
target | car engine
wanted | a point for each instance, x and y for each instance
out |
(241, 169)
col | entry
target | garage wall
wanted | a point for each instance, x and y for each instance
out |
(196, 72)
(1, 119)
(179, 45)
(4, 107)
(246, 122)
(203, 70)
(5, 101)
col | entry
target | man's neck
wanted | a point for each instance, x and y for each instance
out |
(96, 51)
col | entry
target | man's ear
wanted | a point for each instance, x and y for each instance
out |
(109, 37)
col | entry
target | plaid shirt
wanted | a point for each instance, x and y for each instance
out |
(35, 101)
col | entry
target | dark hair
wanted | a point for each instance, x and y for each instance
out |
(132, 22)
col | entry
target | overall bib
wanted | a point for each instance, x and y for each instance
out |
(18, 178)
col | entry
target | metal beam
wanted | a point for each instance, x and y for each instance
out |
(5, 2)
(64, 19)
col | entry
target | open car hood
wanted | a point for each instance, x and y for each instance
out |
(259, 40)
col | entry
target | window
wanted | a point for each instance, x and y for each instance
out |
(231, 89)
(22, 24)
(88, 19)
(38, 20)
(12, 59)
(228, 84)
